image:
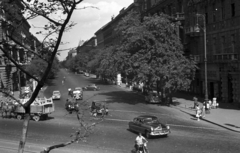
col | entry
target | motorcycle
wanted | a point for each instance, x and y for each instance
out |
(141, 148)
(71, 107)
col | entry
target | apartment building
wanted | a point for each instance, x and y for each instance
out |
(222, 22)
(10, 78)
(222, 18)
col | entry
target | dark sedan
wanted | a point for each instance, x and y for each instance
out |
(149, 126)
(91, 87)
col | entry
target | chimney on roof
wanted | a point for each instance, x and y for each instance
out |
(122, 10)
(113, 17)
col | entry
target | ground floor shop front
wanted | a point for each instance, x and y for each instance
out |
(223, 82)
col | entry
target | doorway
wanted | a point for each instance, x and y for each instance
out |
(230, 89)
(211, 90)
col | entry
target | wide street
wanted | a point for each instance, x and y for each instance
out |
(112, 135)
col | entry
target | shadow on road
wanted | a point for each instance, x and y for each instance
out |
(123, 97)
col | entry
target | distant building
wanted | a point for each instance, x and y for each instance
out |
(72, 53)
(87, 45)
(106, 36)
(80, 42)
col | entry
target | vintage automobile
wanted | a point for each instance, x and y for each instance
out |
(152, 97)
(56, 95)
(149, 126)
(91, 87)
(86, 74)
(79, 88)
(77, 94)
(71, 105)
(98, 108)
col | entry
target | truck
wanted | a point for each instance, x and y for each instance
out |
(39, 109)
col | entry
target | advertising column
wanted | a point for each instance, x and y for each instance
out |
(119, 79)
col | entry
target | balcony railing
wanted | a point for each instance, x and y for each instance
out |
(191, 30)
(179, 16)
(216, 58)
(226, 57)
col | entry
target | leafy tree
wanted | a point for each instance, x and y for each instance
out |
(38, 65)
(151, 52)
(102, 62)
(57, 13)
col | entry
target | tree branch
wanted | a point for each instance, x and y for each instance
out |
(32, 51)
(16, 64)
(41, 14)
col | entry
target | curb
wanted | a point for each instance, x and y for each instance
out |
(176, 107)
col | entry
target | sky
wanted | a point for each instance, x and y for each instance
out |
(88, 21)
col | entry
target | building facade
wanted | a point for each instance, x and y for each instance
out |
(106, 36)
(222, 35)
(11, 78)
(222, 19)
(87, 45)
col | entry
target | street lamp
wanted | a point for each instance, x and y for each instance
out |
(197, 29)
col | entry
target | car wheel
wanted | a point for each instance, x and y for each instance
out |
(166, 135)
(147, 134)
(129, 128)
(19, 117)
(36, 118)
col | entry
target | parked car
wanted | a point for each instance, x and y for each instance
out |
(56, 95)
(86, 74)
(149, 126)
(152, 97)
(91, 87)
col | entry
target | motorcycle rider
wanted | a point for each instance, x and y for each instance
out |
(70, 92)
(141, 141)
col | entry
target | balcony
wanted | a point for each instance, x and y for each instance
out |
(179, 16)
(226, 57)
(191, 31)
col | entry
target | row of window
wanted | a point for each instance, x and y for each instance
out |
(218, 12)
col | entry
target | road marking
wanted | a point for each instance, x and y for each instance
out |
(171, 125)
(112, 119)
(124, 111)
(195, 127)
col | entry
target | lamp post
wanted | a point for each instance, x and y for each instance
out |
(197, 29)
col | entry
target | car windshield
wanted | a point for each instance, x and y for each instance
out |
(56, 92)
(151, 120)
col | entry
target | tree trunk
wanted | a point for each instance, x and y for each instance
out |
(25, 130)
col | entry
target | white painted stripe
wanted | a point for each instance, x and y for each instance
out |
(120, 120)
(193, 127)
(124, 111)
(171, 125)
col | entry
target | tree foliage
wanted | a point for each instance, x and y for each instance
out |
(37, 66)
(152, 50)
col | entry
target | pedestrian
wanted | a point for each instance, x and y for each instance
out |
(203, 110)
(198, 112)
(207, 108)
(195, 99)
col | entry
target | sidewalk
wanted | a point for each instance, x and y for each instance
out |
(226, 116)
